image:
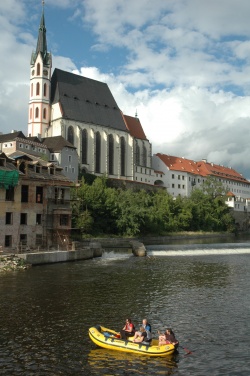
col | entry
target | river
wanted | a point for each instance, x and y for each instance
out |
(201, 292)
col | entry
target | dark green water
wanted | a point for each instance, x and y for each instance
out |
(46, 312)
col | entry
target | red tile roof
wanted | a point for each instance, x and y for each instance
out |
(201, 168)
(134, 127)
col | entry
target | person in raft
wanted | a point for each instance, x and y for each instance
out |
(147, 328)
(142, 338)
(168, 337)
(128, 330)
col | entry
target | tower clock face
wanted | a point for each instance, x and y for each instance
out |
(45, 72)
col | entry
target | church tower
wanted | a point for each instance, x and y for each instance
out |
(40, 82)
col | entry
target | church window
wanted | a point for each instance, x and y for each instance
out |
(38, 69)
(97, 152)
(84, 146)
(123, 156)
(111, 154)
(44, 113)
(30, 113)
(144, 156)
(45, 90)
(31, 90)
(70, 136)
(37, 112)
(37, 88)
(137, 154)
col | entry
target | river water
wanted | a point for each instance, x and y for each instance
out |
(202, 292)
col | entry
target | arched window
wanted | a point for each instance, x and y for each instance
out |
(110, 154)
(137, 154)
(123, 156)
(45, 90)
(97, 152)
(31, 90)
(37, 88)
(44, 113)
(84, 146)
(144, 156)
(70, 136)
(30, 113)
(38, 69)
(37, 112)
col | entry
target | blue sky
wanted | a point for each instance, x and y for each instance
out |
(184, 65)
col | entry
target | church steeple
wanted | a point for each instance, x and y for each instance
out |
(40, 82)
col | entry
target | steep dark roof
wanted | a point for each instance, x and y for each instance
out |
(85, 100)
(11, 136)
(57, 143)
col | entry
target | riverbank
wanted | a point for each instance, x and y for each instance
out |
(12, 263)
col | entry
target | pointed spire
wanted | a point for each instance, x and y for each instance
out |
(41, 41)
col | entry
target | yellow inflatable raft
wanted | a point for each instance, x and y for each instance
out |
(108, 339)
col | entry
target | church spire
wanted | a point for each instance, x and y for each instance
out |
(41, 41)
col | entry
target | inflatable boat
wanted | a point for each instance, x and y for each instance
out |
(109, 339)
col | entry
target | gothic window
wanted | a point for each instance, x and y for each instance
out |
(38, 69)
(97, 152)
(30, 113)
(144, 156)
(37, 88)
(31, 90)
(123, 156)
(137, 154)
(37, 112)
(44, 113)
(84, 146)
(110, 154)
(45, 90)
(70, 136)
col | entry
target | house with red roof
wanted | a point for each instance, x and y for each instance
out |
(180, 176)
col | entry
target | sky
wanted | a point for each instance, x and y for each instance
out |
(182, 65)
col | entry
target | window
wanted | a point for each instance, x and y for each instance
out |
(37, 112)
(31, 90)
(172, 185)
(123, 156)
(38, 69)
(37, 88)
(52, 157)
(39, 239)
(84, 146)
(66, 168)
(8, 218)
(110, 154)
(44, 90)
(30, 113)
(20, 145)
(183, 187)
(39, 195)
(179, 186)
(8, 241)
(64, 220)
(70, 136)
(59, 195)
(23, 239)
(172, 176)
(97, 152)
(73, 170)
(24, 193)
(144, 156)
(23, 219)
(179, 177)
(137, 154)
(70, 158)
(183, 177)
(9, 195)
(39, 219)
(44, 113)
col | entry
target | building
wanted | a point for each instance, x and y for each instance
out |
(35, 204)
(85, 113)
(180, 176)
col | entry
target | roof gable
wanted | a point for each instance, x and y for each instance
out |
(134, 127)
(57, 143)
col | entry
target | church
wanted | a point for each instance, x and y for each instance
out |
(85, 113)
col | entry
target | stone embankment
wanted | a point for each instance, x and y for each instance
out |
(11, 263)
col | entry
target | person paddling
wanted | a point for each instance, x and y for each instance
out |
(168, 337)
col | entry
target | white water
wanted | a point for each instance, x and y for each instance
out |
(198, 249)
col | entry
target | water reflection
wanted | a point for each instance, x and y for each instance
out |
(102, 359)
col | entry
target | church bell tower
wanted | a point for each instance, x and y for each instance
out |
(40, 83)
